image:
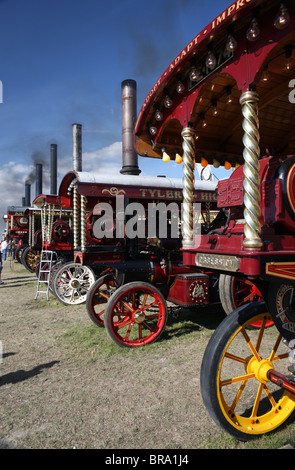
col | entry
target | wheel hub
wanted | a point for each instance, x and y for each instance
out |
(139, 316)
(75, 283)
(259, 368)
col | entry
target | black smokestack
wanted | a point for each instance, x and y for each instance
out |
(77, 147)
(23, 202)
(129, 114)
(53, 169)
(27, 194)
(38, 179)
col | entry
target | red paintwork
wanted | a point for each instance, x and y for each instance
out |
(243, 67)
(190, 290)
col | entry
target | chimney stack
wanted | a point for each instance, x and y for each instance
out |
(53, 169)
(129, 115)
(27, 194)
(77, 147)
(38, 179)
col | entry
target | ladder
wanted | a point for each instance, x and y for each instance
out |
(47, 257)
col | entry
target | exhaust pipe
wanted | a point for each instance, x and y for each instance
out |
(53, 169)
(27, 194)
(129, 114)
(38, 179)
(77, 147)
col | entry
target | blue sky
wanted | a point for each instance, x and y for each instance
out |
(63, 61)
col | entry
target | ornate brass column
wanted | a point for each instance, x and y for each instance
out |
(32, 230)
(51, 210)
(43, 224)
(75, 217)
(83, 223)
(252, 229)
(188, 146)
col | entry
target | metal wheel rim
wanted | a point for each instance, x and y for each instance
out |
(138, 317)
(270, 407)
(72, 283)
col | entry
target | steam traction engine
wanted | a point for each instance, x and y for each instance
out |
(115, 261)
(17, 227)
(113, 257)
(226, 100)
(55, 235)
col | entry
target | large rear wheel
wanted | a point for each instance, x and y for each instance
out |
(235, 292)
(234, 375)
(30, 258)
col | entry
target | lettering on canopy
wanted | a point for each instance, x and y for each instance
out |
(229, 12)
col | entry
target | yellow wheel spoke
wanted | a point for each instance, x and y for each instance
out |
(234, 380)
(235, 358)
(250, 344)
(270, 396)
(261, 331)
(275, 348)
(257, 401)
(238, 396)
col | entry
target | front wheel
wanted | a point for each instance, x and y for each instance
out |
(234, 381)
(136, 315)
(98, 296)
(71, 283)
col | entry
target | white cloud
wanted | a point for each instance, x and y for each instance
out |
(107, 160)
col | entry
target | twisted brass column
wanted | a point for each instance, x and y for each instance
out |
(43, 223)
(75, 217)
(50, 222)
(32, 229)
(188, 146)
(252, 229)
(83, 223)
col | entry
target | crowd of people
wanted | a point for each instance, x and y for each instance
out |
(7, 248)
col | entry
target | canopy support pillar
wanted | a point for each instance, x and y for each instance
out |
(188, 145)
(75, 217)
(252, 229)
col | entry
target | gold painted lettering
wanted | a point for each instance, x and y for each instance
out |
(183, 54)
(189, 46)
(204, 197)
(169, 194)
(152, 192)
(220, 18)
(160, 195)
(177, 60)
(240, 3)
(230, 10)
(196, 39)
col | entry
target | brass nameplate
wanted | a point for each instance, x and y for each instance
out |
(222, 262)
